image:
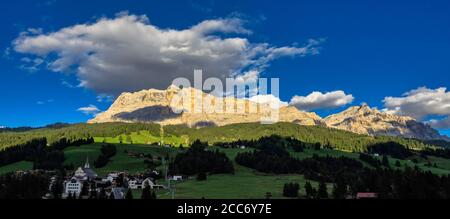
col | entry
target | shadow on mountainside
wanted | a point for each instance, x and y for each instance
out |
(148, 114)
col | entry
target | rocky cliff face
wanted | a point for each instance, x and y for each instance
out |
(156, 106)
(368, 121)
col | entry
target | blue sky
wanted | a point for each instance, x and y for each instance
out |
(370, 49)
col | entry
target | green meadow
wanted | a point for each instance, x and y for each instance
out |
(22, 165)
(144, 137)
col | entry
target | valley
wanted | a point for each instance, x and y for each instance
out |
(133, 148)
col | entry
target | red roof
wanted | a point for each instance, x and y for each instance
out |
(366, 195)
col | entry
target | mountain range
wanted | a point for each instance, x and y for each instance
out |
(157, 106)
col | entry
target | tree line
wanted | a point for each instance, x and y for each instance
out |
(198, 160)
(24, 186)
(107, 152)
(37, 151)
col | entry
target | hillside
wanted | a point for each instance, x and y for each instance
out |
(74, 132)
(181, 134)
(334, 138)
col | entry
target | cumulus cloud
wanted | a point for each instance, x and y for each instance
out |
(270, 99)
(421, 103)
(89, 110)
(128, 53)
(319, 100)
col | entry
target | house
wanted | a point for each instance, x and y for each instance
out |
(73, 186)
(111, 177)
(177, 178)
(149, 182)
(135, 183)
(366, 195)
(118, 192)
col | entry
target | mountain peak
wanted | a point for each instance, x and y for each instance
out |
(156, 106)
(173, 87)
(370, 121)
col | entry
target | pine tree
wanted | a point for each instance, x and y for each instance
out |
(146, 192)
(322, 193)
(84, 190)
(57, 189)
(385, 161)
(309, 190)
(93, 192)
(201, 176)
(102, 194)
(339, 190)
(129, 194)
(120, 139)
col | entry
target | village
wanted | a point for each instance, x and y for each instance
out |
(85, 183)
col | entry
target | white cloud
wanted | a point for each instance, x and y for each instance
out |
(421, 103)
(89, 110)
(127, 53)
(31, 64)
(67, 84)
(274, 101)
(7, 53)
(35, 31)
(319, 100)
(105, 98)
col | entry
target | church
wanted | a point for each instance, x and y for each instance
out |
(85, 173)
(82, 174)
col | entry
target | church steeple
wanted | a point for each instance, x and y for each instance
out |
(86, 165)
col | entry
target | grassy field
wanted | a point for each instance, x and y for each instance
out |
(22, 165)
(442, 165)
(144, 137)
(245, 183)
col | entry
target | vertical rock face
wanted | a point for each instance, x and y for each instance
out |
(364, 120)
(157, 106)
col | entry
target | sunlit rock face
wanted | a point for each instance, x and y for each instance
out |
(158, 106)
(370, 121)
